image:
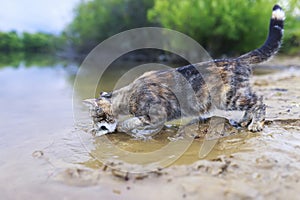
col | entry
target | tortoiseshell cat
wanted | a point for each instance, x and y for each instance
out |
(194, 90)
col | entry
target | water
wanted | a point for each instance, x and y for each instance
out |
(36, 110)
(36, 105)
(39, 138)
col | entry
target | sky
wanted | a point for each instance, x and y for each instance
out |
(49, 16)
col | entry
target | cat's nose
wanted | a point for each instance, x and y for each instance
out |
(103, 128)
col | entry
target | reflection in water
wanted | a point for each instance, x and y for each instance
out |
(29, 60)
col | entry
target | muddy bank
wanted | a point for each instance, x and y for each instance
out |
(245, 165)
(265, 166)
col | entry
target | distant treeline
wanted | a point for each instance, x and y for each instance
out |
(220, 26)
(12, 42)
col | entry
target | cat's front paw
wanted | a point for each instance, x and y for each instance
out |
(256, 126)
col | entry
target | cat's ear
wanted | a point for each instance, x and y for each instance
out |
(91, 103)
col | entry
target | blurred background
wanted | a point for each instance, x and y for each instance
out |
(72, 28)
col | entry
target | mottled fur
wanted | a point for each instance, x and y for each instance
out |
(193, 90)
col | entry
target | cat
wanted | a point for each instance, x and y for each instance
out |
(193, 90)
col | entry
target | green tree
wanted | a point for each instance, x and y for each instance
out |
(38, 42)
(291, 43)
(222, 26)
(10, 42)
(97, 20)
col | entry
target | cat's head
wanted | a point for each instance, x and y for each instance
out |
(101, 113)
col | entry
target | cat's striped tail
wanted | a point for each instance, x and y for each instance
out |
(273, 42)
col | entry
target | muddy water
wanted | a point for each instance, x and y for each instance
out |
(45, 154)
